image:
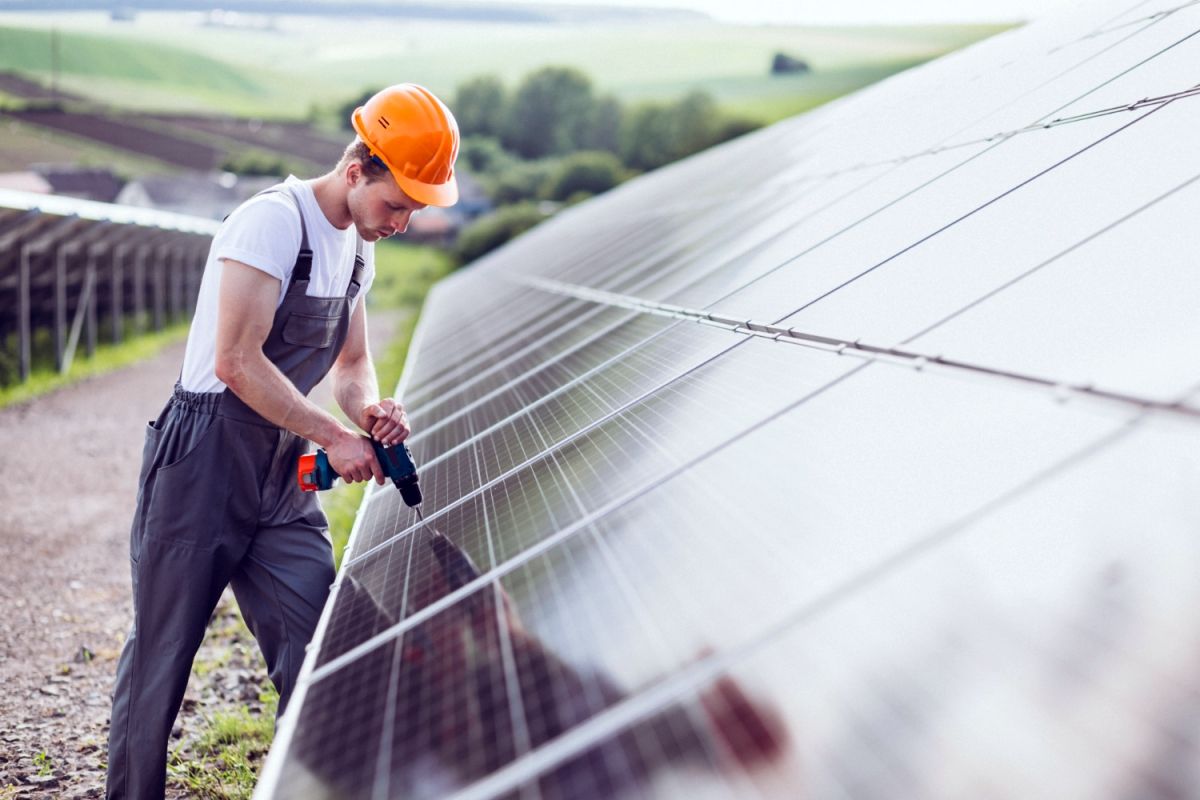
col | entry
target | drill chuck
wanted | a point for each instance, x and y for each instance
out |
(315, 474)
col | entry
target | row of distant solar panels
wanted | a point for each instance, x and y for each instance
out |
(922, 524)
(83, 270)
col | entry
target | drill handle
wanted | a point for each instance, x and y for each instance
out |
(315, 473)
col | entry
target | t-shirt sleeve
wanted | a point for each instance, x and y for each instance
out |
(263, 233)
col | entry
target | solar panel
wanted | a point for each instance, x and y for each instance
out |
(853, 458)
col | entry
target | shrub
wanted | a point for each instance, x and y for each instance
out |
(549, 113)
(480, 106)
(484, 155)
(522, 180)
(492, 230)
(590, 171)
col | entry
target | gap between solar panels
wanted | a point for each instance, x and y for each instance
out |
(1002, 136)
(848, 347)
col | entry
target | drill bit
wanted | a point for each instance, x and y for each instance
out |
(420, 516)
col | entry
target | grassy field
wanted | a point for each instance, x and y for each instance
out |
(44, 378)
(171, 61)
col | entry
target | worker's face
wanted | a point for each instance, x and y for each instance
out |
(379, 209)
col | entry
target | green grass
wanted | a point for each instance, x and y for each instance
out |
(170, 61)
(225, 760)
(44, 378)
(94, 55)
(222, 761)
(405, 273)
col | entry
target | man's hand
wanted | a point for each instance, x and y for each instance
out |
(353, 458)
(386, 421)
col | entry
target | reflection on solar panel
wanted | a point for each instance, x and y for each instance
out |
(855, 458)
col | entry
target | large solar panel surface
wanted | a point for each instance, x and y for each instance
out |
(855, 458)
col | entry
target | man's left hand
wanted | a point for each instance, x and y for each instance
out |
(386, 421)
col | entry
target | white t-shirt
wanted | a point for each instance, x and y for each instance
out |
(264, 233)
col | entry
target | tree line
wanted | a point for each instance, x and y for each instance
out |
(555, 139)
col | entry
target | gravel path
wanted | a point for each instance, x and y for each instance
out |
(67, 487)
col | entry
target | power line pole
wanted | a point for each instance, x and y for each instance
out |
(54, 63)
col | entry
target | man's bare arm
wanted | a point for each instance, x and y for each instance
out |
(244, 315)
(357, 390)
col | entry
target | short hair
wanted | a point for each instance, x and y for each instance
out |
(357, 152)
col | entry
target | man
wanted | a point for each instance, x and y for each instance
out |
(280, 305)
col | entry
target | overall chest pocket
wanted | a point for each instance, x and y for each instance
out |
(311, 330)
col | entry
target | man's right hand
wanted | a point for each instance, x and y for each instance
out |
(353, 458)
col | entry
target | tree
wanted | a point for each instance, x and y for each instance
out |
(646, 137)
(693, 120)
(522, 180)
(783, 64)
(604, 125)
(480, 106)
(733, 127)
(654, 134)
(587, 172)
(346, 110)
(492, 230)
(484, 155)
(549, 113)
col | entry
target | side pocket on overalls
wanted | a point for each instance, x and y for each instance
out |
(188, 489)
(149, 452)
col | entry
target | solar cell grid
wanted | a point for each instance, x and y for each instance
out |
(568, 363)
(584, 472)
(1004, 239)
(455, 366)
(470, 702)
(335, 753)
(528, 358)
(606, 253)
(497, 319)
(1142, 254)
(913, 225)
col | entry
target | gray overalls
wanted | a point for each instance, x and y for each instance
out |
(218, 503)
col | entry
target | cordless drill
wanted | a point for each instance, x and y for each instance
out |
(315, 473)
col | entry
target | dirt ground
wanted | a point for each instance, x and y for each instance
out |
(68, 476)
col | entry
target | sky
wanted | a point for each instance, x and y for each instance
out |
(814, 12)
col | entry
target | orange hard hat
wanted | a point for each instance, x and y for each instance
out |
(416, 137)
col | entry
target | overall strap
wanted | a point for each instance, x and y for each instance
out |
(360, 266)
(302, 271)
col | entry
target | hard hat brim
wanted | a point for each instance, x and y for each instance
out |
(431, 194)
